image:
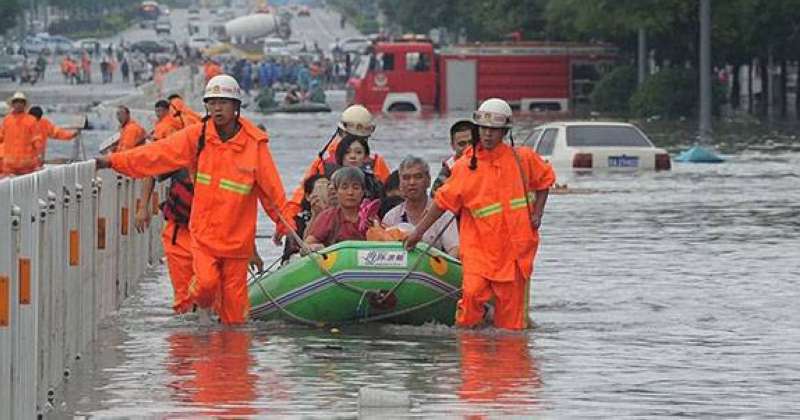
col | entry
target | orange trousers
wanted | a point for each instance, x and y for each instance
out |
(221, 284)
(179, 264)
(510, 304)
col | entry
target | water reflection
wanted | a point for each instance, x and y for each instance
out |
(212, 372)
(498, 368)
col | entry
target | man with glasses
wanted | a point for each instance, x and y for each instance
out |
(461, 135)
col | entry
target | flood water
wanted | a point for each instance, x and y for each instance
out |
(661, 294)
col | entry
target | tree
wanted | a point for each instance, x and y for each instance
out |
(11, 11)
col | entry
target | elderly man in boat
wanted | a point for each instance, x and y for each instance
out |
(415, 179)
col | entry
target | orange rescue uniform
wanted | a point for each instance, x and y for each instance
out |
(177, 243)
(498, 244)
(49, 130)
(20, 136)
(294, 206)
(231, 176)
(176, 240)
(212, 69)
(131, 134)
(164, 128)
(182, 114)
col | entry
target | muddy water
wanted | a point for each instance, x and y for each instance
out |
(669, 294)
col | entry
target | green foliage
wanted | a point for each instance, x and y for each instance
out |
(673, 93)
(614, 90)
(11, 10)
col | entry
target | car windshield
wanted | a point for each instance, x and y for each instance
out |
(605, 136)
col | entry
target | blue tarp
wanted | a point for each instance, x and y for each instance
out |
(699, 154)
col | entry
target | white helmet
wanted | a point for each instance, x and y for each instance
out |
(493, 112)
(222, 86)
(357, 121)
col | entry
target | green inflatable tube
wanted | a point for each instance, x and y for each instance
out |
(359, 282)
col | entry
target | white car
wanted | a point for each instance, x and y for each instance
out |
(275, 47)
(355, 45)
(591, 145)
(199, 42)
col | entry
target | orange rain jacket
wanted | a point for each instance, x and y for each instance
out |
(130, 135)
(381, 169)
(211, 69)
(495, 230)
(230, 177)
(164, 128)
(19, 135)
(183, 115)
(49, 130)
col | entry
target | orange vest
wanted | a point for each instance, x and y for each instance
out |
(21, 139)
(130, 135)
(495, 231)
(231, 177)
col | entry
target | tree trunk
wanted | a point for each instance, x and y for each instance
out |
(782, 94)
(736, 88)
(750, 87)
(763, 103)
(797, 89)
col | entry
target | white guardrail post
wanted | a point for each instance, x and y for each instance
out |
(69, 256)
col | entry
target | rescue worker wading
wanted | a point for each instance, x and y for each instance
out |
(19, 139)
(500, 192)
(357, 121)
(175, 236)
(233, 170)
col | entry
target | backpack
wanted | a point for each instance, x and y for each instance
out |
(177, 206)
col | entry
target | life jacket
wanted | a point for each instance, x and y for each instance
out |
(177, 206)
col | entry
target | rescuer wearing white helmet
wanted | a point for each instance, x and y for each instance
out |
(501, 202)
(356, 121)
(233, 170)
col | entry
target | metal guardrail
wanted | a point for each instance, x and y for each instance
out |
(69, 256)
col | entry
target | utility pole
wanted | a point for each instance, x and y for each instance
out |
(642, 56)
(705, 72)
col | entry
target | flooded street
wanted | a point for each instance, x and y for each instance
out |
(662, 294)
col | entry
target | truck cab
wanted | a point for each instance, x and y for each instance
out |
(396, 76)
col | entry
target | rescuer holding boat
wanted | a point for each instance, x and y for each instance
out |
(233, 168)
(500, 192)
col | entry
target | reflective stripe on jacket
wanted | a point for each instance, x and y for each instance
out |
(495, 229)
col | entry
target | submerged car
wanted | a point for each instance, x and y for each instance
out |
(598, 145)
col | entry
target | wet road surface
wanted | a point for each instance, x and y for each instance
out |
(663, 294)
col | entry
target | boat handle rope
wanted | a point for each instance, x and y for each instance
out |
(280, 307)
(426, 251)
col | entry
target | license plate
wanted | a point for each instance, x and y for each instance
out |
(623, 161)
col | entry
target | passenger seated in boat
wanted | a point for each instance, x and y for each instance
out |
(353, 151)
(293, 96)
(315, 201)
(340, 223)
(415, 179)
(392, 194)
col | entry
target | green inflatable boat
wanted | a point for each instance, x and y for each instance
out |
(358, 282)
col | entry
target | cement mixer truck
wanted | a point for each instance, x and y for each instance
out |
(245, 29)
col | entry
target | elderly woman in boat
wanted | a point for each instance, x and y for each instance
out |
(341, 222)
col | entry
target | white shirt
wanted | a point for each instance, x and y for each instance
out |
(448, 242)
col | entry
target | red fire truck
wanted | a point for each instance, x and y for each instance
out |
(532, 76)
